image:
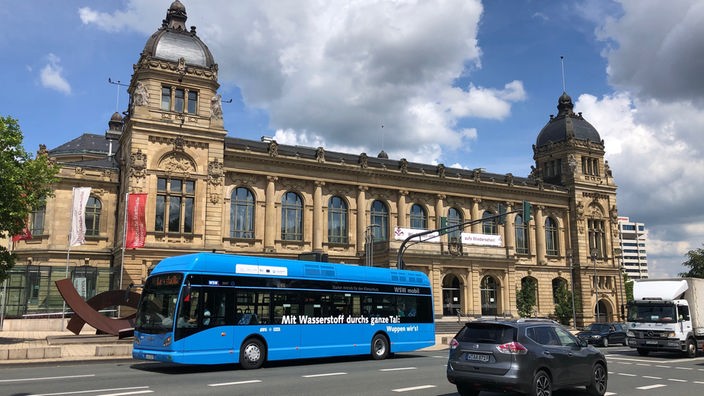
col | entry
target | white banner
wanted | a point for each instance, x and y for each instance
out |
(401, 234)
(481, 239)
(78, 217)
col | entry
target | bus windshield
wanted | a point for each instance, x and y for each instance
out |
(662, 313)
(158, 303)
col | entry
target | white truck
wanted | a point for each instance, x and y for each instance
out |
(667, 315)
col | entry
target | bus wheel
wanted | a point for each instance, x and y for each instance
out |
(252, 354)
(380, 347)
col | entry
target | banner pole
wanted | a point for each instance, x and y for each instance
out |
(124, 241)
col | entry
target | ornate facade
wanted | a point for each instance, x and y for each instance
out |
(207, 191)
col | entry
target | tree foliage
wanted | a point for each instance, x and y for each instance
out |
(526, 298)
(25, 183)
(695, 263)
(563, 304)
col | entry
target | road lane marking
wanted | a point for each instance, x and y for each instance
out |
(236, 383)
(399, 369)
(46, 378)
(648, 387)
(676, 380)
(128, 393)
(651, 377)
(661, 366)
(90, 391)
(322, 375)
(684, 368)
(627, 374)
(698, 382)
(642, 364)
(413, 388)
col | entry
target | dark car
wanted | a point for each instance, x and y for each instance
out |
(525, 355)
(604, 334)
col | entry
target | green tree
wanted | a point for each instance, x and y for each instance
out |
(563, 304)
(525, 298)
(695, 263)
(25, 183)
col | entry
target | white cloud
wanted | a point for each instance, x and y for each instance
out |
(334, 72)
(51, 75)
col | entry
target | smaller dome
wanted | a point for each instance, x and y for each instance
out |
(382, 154)
(116, 117)
(567, 125)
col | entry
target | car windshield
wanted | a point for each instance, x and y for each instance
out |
(155, 314)
(598, 327)
(491, 333)
(659, 313)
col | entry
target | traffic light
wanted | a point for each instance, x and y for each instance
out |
(526, 212)
(502, 214)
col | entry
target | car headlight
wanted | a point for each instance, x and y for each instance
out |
(629, 333)
(596, 336)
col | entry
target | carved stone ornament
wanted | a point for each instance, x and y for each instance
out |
(441, 170)
(320, 154)
(273, 149)
(508, 179)
(177, 164)
(140, 97)
(403, 165)
(572, 163)
(477, 174)
(216, 107)
(363, 161)
(179, 143)
(138, 164)
(215, 172)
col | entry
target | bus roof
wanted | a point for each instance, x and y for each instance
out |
(227, 264)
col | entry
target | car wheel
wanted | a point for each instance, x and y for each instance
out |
(542, 385)
(252, 354)
(599, 381)
(605, 342)
(691, 350)
(465, 390)
(380, 347)
(643, 352)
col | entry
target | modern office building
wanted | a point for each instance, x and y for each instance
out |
(204, 190)
(632, 241)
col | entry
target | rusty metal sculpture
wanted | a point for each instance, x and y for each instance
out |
(87, 311)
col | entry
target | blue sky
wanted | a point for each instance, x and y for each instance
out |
(464, 83)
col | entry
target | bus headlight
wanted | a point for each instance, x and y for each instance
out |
(167, 341)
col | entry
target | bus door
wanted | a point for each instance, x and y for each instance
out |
(206, 324)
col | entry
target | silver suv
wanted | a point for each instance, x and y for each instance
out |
(529, 356)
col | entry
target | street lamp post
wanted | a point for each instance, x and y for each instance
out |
(571, 263)
(594, 253)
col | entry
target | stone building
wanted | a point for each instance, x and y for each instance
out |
(207, 191)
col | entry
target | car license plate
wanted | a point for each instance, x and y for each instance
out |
(649, 342)
(149, 357)
(478, 357)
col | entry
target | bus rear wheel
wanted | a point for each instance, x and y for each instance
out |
(380, 347)
(252, 354)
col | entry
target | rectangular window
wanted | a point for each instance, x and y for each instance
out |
(179, 97)
(166, 98)
(192, 102)
(597, 237)
(174, 205)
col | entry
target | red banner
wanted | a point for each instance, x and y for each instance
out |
(25, 235)
(136, 227)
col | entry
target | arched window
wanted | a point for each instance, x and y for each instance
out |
(337, 220)
(559, 285)
(291, 217)
(242, 213)
(454, 217)
(380, 217)
(36, 220)
(419, 219)
(551, 247)
(521, 235)
(93, 208)
(489, 224)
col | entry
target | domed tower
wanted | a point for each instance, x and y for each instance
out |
(569, 152)
(172, 144)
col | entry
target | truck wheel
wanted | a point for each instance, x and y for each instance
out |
(643, 352)
(691, 350)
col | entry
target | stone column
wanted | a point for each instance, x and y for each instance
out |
(510, 228)
(270, 215)
(361, 217)
(401, 208)
(539, 235)
(318, 216)
(439, 209)
(476, 228)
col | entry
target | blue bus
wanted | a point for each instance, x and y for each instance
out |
(210, 308)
